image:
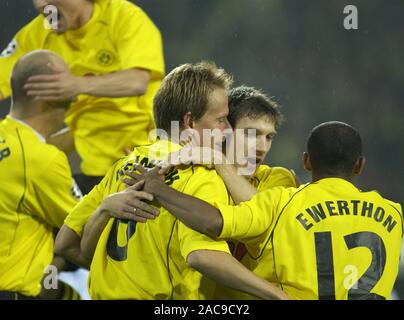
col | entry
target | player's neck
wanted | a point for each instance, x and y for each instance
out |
(85, 15)
(40, 122)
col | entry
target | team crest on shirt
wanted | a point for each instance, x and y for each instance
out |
(105, 57)
(11, 48)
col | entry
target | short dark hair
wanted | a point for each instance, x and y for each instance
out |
(187, 89)
(252, 103)
(334, 147)
(20, 76)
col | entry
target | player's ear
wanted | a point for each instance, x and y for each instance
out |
(187, 120)
(306, 161)
(359, 165)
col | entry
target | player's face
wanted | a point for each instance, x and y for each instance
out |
(265, 132)
(216, 114)
(68, 12)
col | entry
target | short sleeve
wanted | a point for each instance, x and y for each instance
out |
(139, 41)
(208, 186)
(55, 191)
(252, 218)
(22, 43)
(8, 58)
(191, 240)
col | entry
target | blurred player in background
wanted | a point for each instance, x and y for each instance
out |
(114, 52)
(159, 259)
(329, 240)
(37, 191)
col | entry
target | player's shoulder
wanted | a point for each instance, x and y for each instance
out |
(264, 171)
(37, 26)
(45, 155)
(197, 176)
(199, 171)
(269, 177)
(282, 171)
(389, 203)
(376, 196)
(395, 205)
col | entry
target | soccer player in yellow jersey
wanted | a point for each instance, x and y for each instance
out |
(329, 240)
(114, 52)
(160, 259)
(37, 189)
(249, 109)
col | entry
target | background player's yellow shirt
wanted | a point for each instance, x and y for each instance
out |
(148, 260)
(264, 178)
(269, 177)
(329, 239)
(36, 195)
(119, 36)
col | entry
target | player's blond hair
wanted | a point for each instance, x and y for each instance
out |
(187, 89)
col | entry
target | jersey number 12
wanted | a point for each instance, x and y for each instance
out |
(325, 265)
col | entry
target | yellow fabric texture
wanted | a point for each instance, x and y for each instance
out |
(119, 36)
(264, 178)
(148, 260)
(36, 195)
(328, 239)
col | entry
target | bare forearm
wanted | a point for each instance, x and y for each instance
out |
(126, 83)
(240, 189)
(92, 232)
(225, 269)
(195, 213)
(67, 245)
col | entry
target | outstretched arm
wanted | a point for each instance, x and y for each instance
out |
(225, 269)
(63, 85)
(203, 217)
(239, 187)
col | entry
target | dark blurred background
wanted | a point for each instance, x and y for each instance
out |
(300, 53)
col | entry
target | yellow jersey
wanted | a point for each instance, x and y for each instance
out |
(328, 239)
(37, 193)
(264, 178)
(119, 36)
(148, 260)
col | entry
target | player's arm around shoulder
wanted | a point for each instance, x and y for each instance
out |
(192, 211)
(252, 218)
